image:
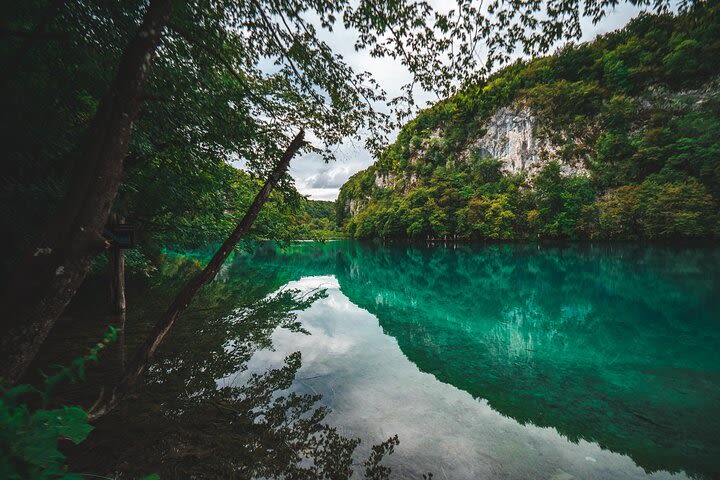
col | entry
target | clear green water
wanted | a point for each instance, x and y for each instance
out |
(494, 362)
(611, 347)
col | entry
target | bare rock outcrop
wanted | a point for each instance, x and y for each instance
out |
(511, 137)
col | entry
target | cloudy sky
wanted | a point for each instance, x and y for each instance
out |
(321, 181)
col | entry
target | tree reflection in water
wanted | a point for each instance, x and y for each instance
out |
(184, 422)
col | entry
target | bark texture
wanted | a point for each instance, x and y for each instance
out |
(47, 277)
(141, 359)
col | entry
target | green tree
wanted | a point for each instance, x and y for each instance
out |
(549, 189)
(615, 73)
(618, 213)
(670, 210)
(683, 61)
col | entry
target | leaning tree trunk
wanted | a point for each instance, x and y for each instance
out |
(184, 297)
(46, 279)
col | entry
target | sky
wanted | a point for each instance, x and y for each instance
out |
(322, 181)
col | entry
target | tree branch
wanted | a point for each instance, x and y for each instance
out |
(141, 359)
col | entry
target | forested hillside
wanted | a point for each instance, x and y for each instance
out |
(319, 219)
(614, 139)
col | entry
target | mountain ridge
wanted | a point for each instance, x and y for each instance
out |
(618, 138)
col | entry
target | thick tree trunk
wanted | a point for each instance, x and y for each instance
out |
(185, 296)
(48, 276)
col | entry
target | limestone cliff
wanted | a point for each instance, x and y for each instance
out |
(511, 136)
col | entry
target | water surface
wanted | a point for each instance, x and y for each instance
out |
(495, 362)
(501, 361)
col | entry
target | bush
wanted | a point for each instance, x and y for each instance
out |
(656, 210)
(29, 436)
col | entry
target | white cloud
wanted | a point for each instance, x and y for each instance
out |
(322, 180)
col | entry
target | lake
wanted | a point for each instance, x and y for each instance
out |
(496, 362)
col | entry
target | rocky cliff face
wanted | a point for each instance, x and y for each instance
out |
(510, 136)
(385, 180)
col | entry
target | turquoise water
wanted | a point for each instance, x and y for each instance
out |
(513, 361)
(493, 362)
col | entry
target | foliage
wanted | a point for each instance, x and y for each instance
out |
(639, 109)
(29, 436)
(233, 80)
(658, 210)
(319, 220)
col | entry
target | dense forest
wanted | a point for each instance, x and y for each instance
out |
(632, 125)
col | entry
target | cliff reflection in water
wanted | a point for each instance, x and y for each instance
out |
(610, 344)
